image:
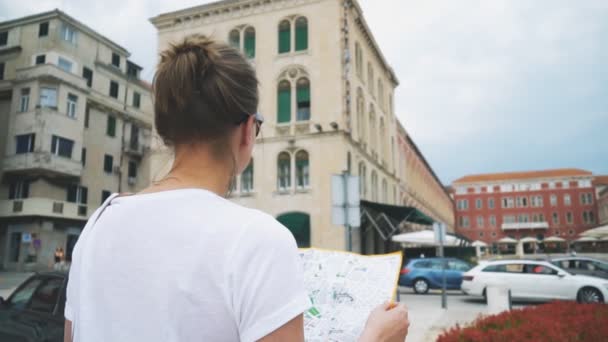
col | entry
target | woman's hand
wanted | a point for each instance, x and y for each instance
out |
(387, 323)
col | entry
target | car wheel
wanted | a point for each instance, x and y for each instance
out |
(421, 286)
(590, 295)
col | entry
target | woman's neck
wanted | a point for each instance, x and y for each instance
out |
(195, 167)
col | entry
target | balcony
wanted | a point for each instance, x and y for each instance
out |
(525, 225)
(43, 207)
(42, 163)
(51, 72)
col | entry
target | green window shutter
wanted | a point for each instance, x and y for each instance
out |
(111, 128)
(303, 94)
(250, 46)
(284, 105)
(284, 40)
(302, 37)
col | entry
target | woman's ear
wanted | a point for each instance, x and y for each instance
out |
(248, 131)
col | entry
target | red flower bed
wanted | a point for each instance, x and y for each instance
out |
(555, 322)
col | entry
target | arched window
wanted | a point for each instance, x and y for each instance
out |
(358, 60)
(301, 34)
(381, 94)
(299, 225)
(384, 191)
(284, 102)
(284, 36)
(374, 186)
(362, 180)
(370, 79)
(383, 136)
(372, 129)
(348, 162)
(302, 170)
(249, 45)
(235, 39)
(361, 115)
(284, 171)
(247, 178)
(303, 99)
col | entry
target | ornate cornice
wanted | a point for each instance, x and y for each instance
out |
(221, 11)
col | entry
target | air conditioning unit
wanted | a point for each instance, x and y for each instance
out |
(131, 180)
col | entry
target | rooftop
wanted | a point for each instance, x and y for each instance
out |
(522, 175)
(603, 180)
(56, 13)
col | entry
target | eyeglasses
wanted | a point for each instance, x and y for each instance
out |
(259, 120)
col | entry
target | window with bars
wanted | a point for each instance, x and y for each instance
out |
(40, 59)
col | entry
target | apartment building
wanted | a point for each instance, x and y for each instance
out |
(75, 125)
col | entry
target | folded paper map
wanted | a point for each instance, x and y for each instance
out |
(343, 289)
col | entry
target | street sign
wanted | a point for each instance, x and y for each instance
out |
(26, 238)
(345, 200)
(439, 230)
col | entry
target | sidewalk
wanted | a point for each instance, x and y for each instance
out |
(10, 280)
(428, 320)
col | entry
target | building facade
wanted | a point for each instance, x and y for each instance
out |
(537, 204)
(326, 92)
(601, 187)
(75, 121)
(423, 189)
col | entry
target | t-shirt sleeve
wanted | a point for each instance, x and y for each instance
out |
(267, 280)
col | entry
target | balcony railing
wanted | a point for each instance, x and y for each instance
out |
(44, 207)
(42, 163)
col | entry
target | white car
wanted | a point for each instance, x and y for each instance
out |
(535, 280)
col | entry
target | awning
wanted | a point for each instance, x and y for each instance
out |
(479, 244)
(554, 239)
(507, 241)
(399, 213)
(385, 218)
(427, 238)
(598, 232)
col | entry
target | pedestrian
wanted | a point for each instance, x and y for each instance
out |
(57, 258)
(233, 273)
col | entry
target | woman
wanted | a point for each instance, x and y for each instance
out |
(226, 273)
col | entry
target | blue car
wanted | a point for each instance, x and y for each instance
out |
(425, 274)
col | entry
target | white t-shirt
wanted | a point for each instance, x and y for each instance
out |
(182, 265)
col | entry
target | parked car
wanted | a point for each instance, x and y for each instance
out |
(584, 266)
(34, 311)
(426, 273)
(535, 280)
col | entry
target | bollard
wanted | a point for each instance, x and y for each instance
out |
(499, 298)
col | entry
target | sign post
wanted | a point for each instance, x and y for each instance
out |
(345, 204)
(439, 229)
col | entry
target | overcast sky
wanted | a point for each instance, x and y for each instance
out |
(486, 86)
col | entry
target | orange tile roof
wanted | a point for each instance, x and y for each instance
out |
(495, 177)
(601, 180)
